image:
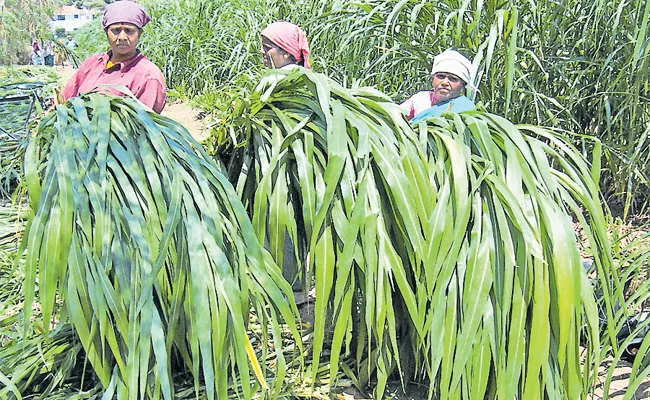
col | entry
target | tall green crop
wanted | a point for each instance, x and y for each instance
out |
(139, 242)
(567, 65)
(580, 68)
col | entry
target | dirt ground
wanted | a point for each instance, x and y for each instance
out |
(620, 381)
(187, 116)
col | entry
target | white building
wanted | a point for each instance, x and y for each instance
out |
(70, 18)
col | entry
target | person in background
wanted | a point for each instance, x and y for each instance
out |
(49, 53)
(59, 55)
(284, 46)
(36, 54)
(70, 43)
(123, 65)
(451, 74)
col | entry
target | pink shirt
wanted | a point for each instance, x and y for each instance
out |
(140, 75)
(418, 103)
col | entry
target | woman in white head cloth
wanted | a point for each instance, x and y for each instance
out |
(451, 74)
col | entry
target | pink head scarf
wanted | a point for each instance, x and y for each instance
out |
(290, 38)
(125, 12)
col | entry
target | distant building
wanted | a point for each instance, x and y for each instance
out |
(70, 18)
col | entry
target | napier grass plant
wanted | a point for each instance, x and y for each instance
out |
(568, 65)
(213, 47)
(445, 254)
(139, 243)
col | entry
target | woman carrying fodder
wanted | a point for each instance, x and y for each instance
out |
(138, 240)
(124, 64)
(445, 253)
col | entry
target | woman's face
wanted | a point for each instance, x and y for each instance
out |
(447, 86)
(273, 56)
(123, 38)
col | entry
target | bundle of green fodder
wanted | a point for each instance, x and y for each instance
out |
(509, 302)
(140, 243)
(450, 248)
(22, 92)
(28, 74)
(12, 225)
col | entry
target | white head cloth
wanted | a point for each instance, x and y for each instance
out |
(453, 62)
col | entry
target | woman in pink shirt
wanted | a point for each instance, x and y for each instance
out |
(123, 65)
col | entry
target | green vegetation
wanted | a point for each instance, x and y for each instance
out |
(138, 243)
(23, 91)
(578, 68)
(90, 39)
(444, 254)
(22, 21)
(435, 254)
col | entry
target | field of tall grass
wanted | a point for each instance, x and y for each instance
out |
(578, 68)
(581, 68)
(474, 254)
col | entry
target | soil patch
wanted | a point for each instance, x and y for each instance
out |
(191, 118)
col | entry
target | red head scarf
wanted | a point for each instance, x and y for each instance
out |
(290, 38)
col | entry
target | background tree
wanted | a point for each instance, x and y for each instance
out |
(20, 22)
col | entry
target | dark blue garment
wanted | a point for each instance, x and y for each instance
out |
(457, 104)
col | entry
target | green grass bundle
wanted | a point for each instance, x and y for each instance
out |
(12, 226)
(12, 148)
(321, 168)
(508, 303)
(445, 253)
(139, 241)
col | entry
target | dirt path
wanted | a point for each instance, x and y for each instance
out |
(182, 113)
(620, 382)
(187, 116)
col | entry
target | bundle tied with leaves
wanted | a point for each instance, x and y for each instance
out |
(140, 242)
(444, 253)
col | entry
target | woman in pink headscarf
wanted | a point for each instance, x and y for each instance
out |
(284, 46)
(123, 65)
